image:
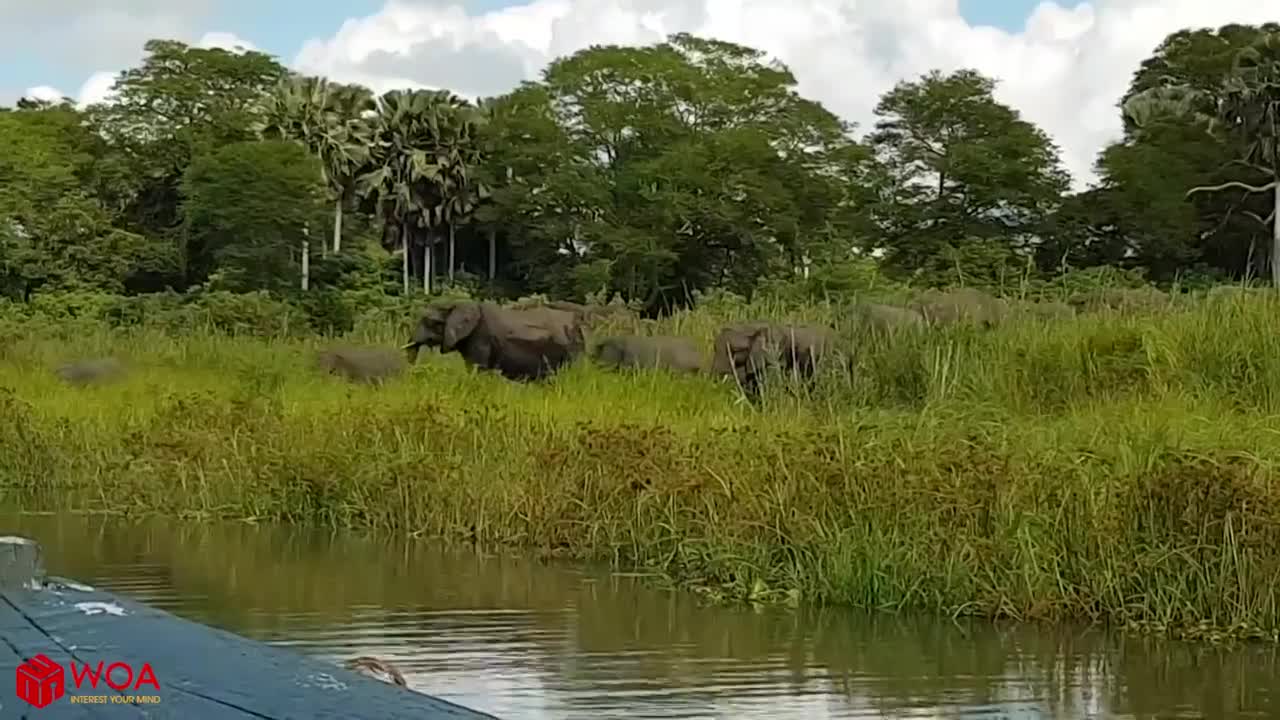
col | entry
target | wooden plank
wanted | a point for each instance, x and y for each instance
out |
(203, 672)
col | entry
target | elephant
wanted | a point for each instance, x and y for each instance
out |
(528, 344)
(365, 365)
(747, 350)
(961, 305)
(90, 372)
(591, 314)
(887, 319)
(649, 352)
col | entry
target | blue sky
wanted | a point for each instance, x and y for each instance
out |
(281, 26)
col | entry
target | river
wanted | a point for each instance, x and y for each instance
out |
(521, 638)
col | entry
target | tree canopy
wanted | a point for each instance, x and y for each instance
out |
(658, 173)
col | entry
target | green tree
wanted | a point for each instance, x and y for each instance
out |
(53, 230)
(546, 189)
(965, 174)
(701, 162)
(180, 103)
(327, 118)
(246, 209)
(1166, 151)
(424, 149)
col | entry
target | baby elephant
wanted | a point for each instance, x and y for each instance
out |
(747, 350)
(363, 365)
(648, 352)
(89, 372)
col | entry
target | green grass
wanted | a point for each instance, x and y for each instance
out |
(1112, 468)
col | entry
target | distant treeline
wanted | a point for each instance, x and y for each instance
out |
(655, 173)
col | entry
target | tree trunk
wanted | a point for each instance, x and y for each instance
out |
(426, 265)
(1275, 232)
(337, 226)
(451, 253)
(493, 254)
(404, 257)
(306, 258)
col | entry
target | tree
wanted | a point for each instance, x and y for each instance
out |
(328, 119)
(246, 208)
(545, 188)
(963, 170)
(423, 149)
(681, 161)
(1242, 111)
(53, 231)
(180, 103)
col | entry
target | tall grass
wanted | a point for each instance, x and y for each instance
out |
(1116, 468)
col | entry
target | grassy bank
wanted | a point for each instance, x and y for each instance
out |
(1112, 467)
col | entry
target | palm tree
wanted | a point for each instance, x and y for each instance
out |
(397, 169)
(459, 155)
(422, 150)
(329, 119)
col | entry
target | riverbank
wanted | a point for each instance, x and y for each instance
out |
(1107, 468)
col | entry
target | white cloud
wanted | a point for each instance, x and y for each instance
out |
(224, 40)
(1065, 70)
(43, 92)
(97, 88)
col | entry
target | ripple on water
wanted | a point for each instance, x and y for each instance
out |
(528, 640)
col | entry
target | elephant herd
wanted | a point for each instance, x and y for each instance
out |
(532, 343)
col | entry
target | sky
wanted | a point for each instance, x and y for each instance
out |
(1063, 65)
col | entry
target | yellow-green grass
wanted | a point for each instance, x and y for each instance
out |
(1111, 468)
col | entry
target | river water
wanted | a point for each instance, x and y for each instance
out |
(520, 638)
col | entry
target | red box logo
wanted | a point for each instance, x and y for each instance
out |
(40, 681)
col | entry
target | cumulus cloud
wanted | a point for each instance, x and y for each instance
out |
(1064, 70)
(44, 93)
(97, 88)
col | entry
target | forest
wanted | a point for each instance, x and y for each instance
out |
(658, 174)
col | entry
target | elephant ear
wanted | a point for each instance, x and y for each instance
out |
(463, 320)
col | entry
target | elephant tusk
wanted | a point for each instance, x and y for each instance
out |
(408, 345)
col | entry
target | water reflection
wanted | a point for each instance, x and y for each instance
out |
(523, 639)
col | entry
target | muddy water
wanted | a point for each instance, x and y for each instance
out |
(522, 639)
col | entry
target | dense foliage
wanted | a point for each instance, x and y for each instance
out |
(659, 173)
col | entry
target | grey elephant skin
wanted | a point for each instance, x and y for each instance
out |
(90, 372)
(961, 306)
(887, 319)
(747, 350)
(528, 344)
(590, 314)
(664, 352)
(362, 365)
